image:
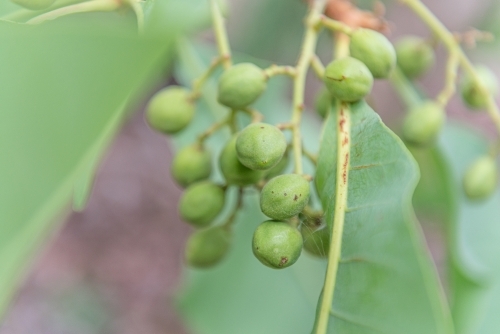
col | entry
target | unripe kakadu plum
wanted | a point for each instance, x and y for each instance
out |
(233, 170)
(323, 103)
(480, 180)
(374, 50)
(284, 196)
(348, 79)
(423, 123)
(260, 146)
(34, 4)
(415, 56)
(201, 203)
(241, 85)
(472, 94)
(191, 164)
(170, 110)
(208, 247)
(279, 168)
(316, 241)
(277, 244)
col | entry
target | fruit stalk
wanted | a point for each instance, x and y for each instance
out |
(341, 190)
(307, 54)
(221, 34)
(443, 34)
(84, 7)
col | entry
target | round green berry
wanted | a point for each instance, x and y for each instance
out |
(191, 164)
(260, 146)
(208, 247)
(374, 50)
(423, 123)
(348, 79)
(323, 103)
(284, 196)
(201, 203)
(279, 168)
(277, 244)
(473, 96)
(415, 56)
(170, 110)
(233, 170)
(34, 4)
(241, 85)
(316, 241)
(480, 180)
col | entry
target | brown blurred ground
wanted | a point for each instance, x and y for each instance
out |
(115, 267)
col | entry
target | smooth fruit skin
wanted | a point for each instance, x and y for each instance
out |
(233, 170)
(277, 244)
(201, 203)
(208, 247)
(415, 56)
(260, 146)
(316, 241)
(472, 95)
(34, 4)
(170, 110)
(323, 103)
(284, 196)
(348, 79)
(241, 85)
(191, 164)
(423, 123)
(374, 50)
(481, 178)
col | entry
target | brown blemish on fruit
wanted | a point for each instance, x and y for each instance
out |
(285, 194)
(295, 197)
(283, 261)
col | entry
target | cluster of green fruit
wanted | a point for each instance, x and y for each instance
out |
(372, 56)
(255, 156)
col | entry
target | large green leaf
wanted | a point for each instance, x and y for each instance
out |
(386, 282)
(62, 91)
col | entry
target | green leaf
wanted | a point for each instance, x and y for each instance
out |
(386, 282)
(473, 238)
(62, 91)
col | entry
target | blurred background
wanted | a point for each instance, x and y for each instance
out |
(117, 266)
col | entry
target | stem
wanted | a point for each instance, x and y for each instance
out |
(200, 81)
(221, 34)
(334, 25)
(84, 7)
(341, 189)
(404, 88)
(451, 77)
(239, 203)
(139, 14)
(214, 128)
(277, 70)
(453, 46)
(318, 67)
(312, 157)
(307, 53)
(254, 114)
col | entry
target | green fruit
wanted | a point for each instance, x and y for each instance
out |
(472, 94)
(241, 85)
(279, 168)
(323, 102)
(191, 164)
(374, 50)
(260, 146)
(34, 4)
(201, 203)
(348, 79)
(170, 110)
(415, 56)
(423, 123)
(316, 241)
(480, 180)
(208, 247)
(233, 170)
(284, 196)
(277, 244)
